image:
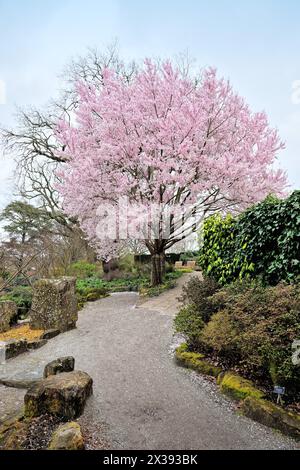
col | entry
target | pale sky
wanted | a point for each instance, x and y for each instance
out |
(254, 43)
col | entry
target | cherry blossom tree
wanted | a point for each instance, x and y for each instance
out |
(168, 139)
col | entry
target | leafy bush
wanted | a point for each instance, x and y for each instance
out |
(22, 296)
(264, 241)
(189, 322)
(197, 293)
(188, 256)
(90, 294)
(252, 331)
(218, 255)
(82, 269)
(270, 233)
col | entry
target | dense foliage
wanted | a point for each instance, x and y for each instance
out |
(82, 269)
(264, 241)
(249, 327)
(22, 296)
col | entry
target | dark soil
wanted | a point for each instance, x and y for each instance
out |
(39, 432)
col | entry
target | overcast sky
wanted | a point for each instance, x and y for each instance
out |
(254, 43)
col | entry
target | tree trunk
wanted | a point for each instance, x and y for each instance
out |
(158, 261)
(110, 269)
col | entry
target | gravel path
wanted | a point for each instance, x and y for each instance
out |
(142, 400)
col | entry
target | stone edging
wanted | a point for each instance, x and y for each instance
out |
(14, 347)
(252, 400)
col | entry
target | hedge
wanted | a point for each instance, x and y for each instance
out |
(264, 241)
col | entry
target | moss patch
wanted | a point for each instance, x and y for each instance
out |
(195, 361)
(12, 431)
(271, 415)
(237, 387)
(21, 332)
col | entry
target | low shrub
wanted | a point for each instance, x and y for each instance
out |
(189, 256)
(82, 269)
(189, 322)
(22, 296)
(250, 329)
(90, 294)
(198, 294)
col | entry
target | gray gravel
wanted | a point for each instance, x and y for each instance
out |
(142, 399)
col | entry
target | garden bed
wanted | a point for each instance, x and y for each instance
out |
(252, 400)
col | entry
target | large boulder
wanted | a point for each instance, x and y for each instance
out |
(8, 310)
(59, 365)
(67, 437)
(62, 395)
(54, 304)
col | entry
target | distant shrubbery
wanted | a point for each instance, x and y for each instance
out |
(22, 296)
(245, 326)
(94, 288)
(82, 269)
(264, 241)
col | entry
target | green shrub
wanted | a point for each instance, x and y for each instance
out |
(197, 292)
(270, 232)
(127, 264)
(22, 296)
(90, 294)
(264, 241)
(188, 256)
(82, 269)
(247, 327)
(219, 256)
(254, 331)
(189, 322)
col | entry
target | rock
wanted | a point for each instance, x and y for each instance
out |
(54, 304)
(237, 387)
(67, 437)
(19, 383)
(271, 415)
(50, 334)
(14, 347)
(8, 310)
(36, 344)
(62, 364)
(62, 395)
(195, 361)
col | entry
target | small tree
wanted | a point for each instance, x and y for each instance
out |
(22, 221)
(164, 138)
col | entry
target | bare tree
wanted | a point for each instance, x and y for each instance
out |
(33, 143)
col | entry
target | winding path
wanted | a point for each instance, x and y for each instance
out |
(141, 398)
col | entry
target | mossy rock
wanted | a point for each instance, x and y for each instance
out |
(67, 437)
(195, 361)
(62, 395)
(237, 387)
(13, 431)
(271, 415)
